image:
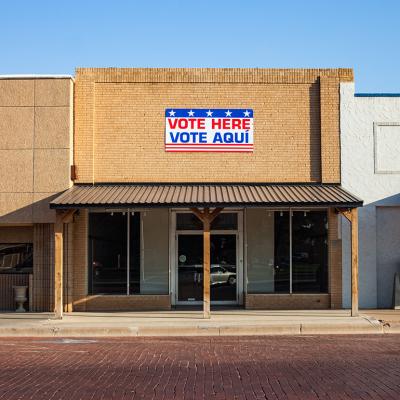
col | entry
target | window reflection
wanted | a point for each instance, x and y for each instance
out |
(268, 251)
(108, 253)
(107, 247)
(16, 258)
(268, 254)
(222, 268)
(310, 252)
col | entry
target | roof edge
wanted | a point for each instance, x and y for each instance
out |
(35, 76)
(207, 183)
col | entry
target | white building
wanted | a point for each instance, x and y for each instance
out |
(370, 150)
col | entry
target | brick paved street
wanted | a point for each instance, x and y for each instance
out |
(327, 367)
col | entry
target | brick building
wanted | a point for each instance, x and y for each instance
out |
(145, 227)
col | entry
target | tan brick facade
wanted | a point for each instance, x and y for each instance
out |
(287, 301)
(119, 124)
(119, 137)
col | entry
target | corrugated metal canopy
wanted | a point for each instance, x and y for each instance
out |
(204, 195)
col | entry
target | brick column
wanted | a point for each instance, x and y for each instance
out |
(330, 129)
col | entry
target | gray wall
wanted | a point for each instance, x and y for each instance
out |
(154, 278)
(388, 252)
(260, 250)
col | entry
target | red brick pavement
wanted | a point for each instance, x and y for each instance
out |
(325, 367)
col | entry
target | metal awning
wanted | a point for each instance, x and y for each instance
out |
(204, 195)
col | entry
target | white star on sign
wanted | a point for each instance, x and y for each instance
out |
(209, 113)
(228, 113)
(191, 113)
(247, 113)
(172, 113)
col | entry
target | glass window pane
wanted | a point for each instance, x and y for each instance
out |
(225, 221)
(188, 221)
(16, 258)
(107, 253)
(134, 256)
(310, 252)
(268, 267)
(223, 267)
(190, 267)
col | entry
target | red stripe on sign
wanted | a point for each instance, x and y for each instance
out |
(207, 144)
(209, 147)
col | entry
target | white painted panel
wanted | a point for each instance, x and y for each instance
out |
(388, 252)
(387, 148)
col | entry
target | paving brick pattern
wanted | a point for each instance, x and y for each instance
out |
(327, 367)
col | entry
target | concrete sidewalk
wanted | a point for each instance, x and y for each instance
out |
(190, 323)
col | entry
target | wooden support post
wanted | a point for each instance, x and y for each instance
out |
(206, 268)
(58, 267)
(354, 262)
(352, 217)
(61, 218)
(206, 217)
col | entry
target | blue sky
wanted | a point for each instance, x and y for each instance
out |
(54, 37)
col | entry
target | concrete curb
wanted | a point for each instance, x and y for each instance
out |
(309, 328)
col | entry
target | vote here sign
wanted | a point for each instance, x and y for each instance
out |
(208, 130)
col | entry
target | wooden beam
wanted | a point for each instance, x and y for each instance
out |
(354, 262)
(206, 217)
(68, 216)
(198, 213)
(206, 269)
(345, 212)
(352, 216)
(214, 214)
(58, 266)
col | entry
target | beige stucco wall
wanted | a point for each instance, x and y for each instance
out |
(120, 124)
(35, 146)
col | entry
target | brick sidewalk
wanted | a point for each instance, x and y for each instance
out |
(324, 367)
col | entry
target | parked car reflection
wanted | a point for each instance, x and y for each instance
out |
(219, 274)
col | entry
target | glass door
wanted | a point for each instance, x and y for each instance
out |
(223, 269)
(190, 268)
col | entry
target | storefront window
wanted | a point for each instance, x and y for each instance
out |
(310, 252)
(269, 268)
(110, 247)
(16, 258)
(108, 253)
(268, 251)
